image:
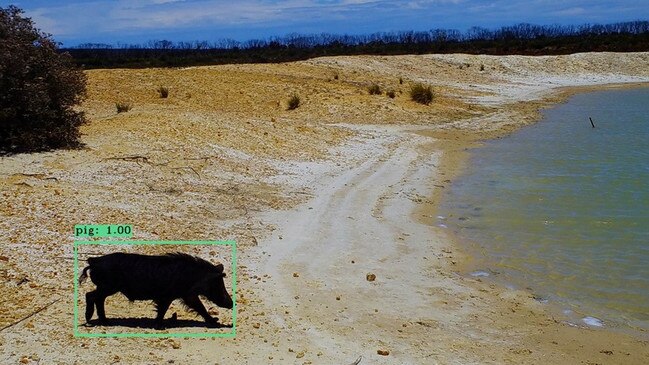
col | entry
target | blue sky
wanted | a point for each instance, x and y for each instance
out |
(137, 21)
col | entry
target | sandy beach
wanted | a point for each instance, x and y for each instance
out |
(317, 199)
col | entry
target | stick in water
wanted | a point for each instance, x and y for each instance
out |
(591, 122)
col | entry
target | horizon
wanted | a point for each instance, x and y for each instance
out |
(74, 22)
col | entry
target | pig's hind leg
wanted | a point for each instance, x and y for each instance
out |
(195, 304)
(90, 305)
(99, 297)
(161, 307)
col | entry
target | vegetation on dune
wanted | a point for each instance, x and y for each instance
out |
(163, 91)
(39, 87)
(374, 89)
(422, 94)
(293, 102)
(122, 107)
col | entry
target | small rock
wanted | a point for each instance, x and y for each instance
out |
(338, 297)
(256, 325)
(296, 275)
(383, 352)
(370, 277)
(299, 355)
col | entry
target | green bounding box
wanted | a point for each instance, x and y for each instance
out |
(103, 230)
(104, 333)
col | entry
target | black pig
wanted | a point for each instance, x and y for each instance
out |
(161, 279)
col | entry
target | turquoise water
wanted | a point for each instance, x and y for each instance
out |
(563, 209)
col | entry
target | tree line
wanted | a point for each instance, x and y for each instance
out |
(525, 39)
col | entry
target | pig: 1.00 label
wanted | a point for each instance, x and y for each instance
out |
(103, 230)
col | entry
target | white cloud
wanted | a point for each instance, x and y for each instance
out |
(570, 11)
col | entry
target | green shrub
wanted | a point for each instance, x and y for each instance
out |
(122, 107)
(422, 94)
(374, 89)
(163, 91)
(391, 94)
(293, 102)
(39, 87)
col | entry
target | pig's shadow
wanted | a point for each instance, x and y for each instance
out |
(150, 323)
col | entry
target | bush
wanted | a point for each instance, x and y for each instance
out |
(122, 107)
(163, 91)
(374, 89)
(391, 94)
(421, 94)
(38, 89)
(293, 102)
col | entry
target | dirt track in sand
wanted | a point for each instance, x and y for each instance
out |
(223, 153)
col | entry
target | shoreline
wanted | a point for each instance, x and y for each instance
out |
(454, 162)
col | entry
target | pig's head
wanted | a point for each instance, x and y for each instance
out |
(215, 288)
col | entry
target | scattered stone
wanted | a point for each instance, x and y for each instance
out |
(370, 277)
(299, 355)
(296, 275)
(383, 352)
(256, 325)
(338, 297)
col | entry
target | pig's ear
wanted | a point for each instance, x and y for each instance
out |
(219, 270)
